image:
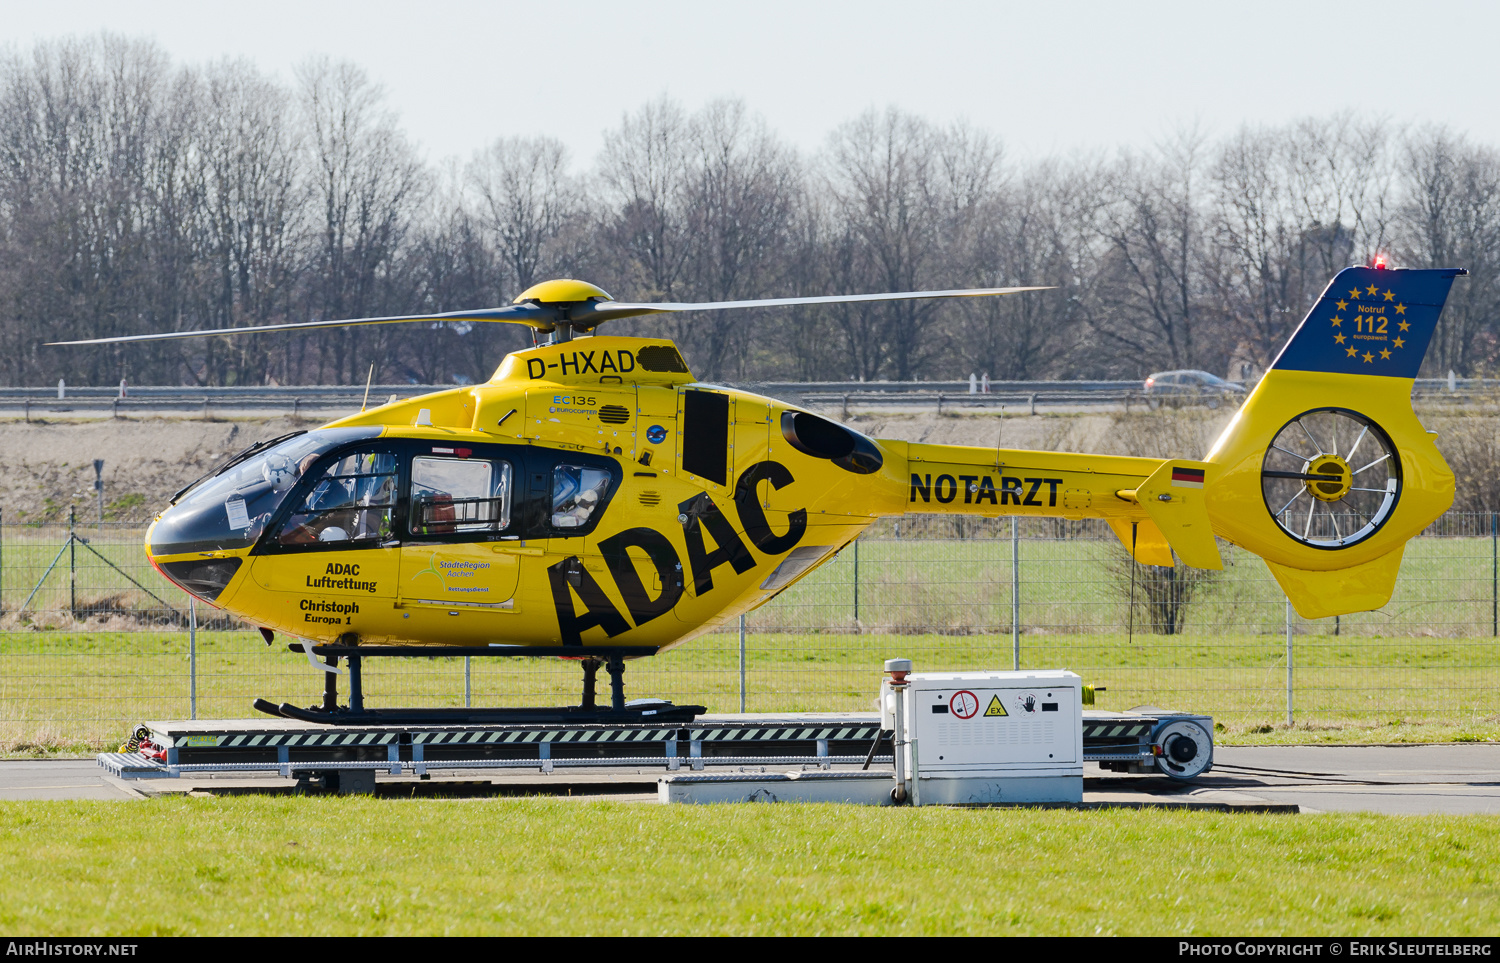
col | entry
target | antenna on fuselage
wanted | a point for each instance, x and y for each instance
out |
(368, 381)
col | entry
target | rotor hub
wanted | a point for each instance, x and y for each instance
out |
(1334, 480)
(563, 291)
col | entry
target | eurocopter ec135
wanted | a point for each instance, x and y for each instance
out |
(594, 501)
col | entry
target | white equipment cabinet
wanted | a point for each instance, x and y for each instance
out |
(979, 738)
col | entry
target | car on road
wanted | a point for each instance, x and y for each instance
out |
(1191, 387)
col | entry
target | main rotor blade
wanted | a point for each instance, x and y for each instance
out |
(546, 317)
(596, 312)
(539, 316)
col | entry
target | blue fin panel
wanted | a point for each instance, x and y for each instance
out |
(1371, 322)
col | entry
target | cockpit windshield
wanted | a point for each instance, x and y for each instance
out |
(231, 509)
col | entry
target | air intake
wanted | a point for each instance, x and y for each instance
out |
(614, 414)
(650, 499)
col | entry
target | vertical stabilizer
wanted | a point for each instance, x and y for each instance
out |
(1325, 472)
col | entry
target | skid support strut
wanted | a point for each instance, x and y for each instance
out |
(331, 684)
(590, 677)
(356, 686)
(616, 669)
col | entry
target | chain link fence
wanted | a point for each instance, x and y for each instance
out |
(93, 639)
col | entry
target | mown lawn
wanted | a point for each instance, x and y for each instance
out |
(326, 866)
(1427, 667)
(81, 692)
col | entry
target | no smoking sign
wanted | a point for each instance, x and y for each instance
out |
(964, 704)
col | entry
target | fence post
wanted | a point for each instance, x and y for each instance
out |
(1015, 595)
(1494, 580)
(192, 657)
(1288, 661)
(2, 560)
(72, 565)
(856, 582)
(742, 661)
(468, 686)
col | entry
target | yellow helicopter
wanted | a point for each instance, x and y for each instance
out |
(594, 501)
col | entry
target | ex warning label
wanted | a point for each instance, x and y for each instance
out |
(995, 708)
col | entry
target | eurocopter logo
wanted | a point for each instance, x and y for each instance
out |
(582, 363)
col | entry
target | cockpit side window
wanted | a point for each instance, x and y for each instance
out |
(350, 501)
(232, 509)
(456, 495)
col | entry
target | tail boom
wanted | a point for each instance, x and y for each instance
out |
(1153, 505)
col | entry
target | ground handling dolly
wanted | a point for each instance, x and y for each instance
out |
(347, 757)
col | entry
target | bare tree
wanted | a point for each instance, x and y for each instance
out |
(528, 200)
(904, 195)
(741, 194)
(365, 181)
(1155, 309)
(255, 206)
(644, 175)
(139, 196)
(1038, 230)
(1452, 219)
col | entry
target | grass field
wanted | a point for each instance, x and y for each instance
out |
(326, 866)
(80, 692)
(1425, 667)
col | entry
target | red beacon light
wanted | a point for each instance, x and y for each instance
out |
(1379, 264)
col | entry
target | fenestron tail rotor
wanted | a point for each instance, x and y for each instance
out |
(561, 308)
(1331, 478)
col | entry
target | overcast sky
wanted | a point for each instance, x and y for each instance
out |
(1046, 77)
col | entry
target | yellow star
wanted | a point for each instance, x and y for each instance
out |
(1338, 322)
(1338, 339)
(1372, 289)
(1385, 354)
(1354, 294)
(1369, 357)
(1400, 342)
(1404, 325)
(1389, 296)
(1343, 305)
(1351, 351)
(1400, 309)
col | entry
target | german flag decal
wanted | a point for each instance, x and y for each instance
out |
(1187, 477)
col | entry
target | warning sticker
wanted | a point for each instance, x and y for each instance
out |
(995, 708)
(964, 704)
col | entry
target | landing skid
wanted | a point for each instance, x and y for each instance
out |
(645, 711)
(355, 713)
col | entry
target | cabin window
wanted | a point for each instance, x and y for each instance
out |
(351, 500)
(455, 495)
(576, 493)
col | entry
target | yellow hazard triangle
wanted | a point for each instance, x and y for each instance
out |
(995, 709)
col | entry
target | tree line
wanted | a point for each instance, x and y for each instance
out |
(138, 196)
